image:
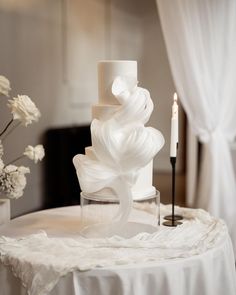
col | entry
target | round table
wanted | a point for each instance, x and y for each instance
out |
(209, 273)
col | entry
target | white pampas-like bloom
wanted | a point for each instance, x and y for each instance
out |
(23, 109)
(13, 181)
(4, 86)
(35, 153)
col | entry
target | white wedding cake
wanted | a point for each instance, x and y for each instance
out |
(119, 162)
(107, 106)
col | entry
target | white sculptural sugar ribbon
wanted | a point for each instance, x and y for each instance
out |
(121, 145)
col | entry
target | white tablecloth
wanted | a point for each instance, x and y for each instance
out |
(209, 273)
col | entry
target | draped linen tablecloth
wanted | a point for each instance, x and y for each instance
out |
(42, 253)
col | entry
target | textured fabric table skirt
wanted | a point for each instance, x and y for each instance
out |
(210, 273)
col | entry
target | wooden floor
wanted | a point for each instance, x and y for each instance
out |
(163, 183)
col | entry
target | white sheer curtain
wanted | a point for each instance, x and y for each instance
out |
(200, 37)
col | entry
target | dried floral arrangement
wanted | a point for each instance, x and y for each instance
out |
(24, 112)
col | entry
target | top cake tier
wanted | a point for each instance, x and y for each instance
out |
(107, 72)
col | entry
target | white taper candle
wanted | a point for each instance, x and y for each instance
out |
(174, 128)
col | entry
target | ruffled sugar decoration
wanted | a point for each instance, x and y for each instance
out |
(136, 103)
(92, 174)
(106, 142)
(126, 85)
(140, 147)
(121, 146)
(125, 149)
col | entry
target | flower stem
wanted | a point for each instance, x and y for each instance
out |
(5, 129)
(10, 131)
(16, 159)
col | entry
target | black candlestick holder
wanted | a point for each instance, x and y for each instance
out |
(173, 219)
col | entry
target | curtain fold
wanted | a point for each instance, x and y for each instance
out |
(200, 38)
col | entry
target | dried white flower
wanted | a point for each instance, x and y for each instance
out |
(35, 153)
(23, 109)
(12, 178)
(13, 181)
(4, 86)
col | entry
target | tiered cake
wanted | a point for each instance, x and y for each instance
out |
(118, 165)
(108, 104)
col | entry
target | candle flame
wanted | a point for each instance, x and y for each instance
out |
(175, 97)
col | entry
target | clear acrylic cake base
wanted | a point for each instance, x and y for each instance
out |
(97, 215)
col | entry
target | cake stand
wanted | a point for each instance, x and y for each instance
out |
(97, 214)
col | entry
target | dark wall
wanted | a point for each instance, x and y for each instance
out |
(60, 183)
